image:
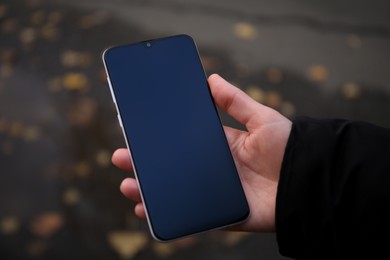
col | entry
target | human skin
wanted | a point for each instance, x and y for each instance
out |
(258, 153)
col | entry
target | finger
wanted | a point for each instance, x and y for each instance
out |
(129, 188)
(140, 210)
(234, 101)
(121, 159)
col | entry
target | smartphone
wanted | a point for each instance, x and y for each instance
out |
(181, 159)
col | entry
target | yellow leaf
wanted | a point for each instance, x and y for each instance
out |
(7, 147)
(31, 133)
(16, 128)
(82, 169)
(9, 225)
(354, 41)
(163, 249)
(47, 224)
(50, 32)
(4, 124)
(71, 196)
(3, 10)
(209, 63)
(28, 36)
(37, 17)
(55, 85)
(126, 243)
(273, 99)
(6, 70)
(274, 75)
(103, 158)
(287, 109)
(350, 90)
(36, 248)
(9, 25)
(318, 73)
(75, 81)
(245, 31)
(54, 17)
(234, 238)
(69, 58)
(256, 93)
(83, 112)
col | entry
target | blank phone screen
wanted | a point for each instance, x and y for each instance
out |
(188, 179)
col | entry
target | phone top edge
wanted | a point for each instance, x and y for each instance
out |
(143, 41)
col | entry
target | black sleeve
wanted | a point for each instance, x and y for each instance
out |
(333, 197)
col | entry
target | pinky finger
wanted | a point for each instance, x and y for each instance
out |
(140, 210)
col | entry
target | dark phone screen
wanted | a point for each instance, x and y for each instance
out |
(183, 163)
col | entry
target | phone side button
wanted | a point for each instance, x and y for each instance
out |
(120, 121)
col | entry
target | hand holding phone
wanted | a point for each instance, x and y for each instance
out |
(258, 154)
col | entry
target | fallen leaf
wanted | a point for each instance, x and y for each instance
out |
(47, 224)
(318, 73)
(354, 41)
(75, 81)
(9, 56)
(126, 243)
(16, 128)
(69, 58)
(37, 17)
(31, 133)
(209, 63)
(83, 112)
(287, 109)
(234, 238)
(7, 147)
(50, 32)
(28, 36)
(3, 10)
(71, 196)
(163, 249)
(9, 25)
(85, 59)
(82, 169)
(92, 20)
(54, 17)
(185, 242)
(55, 85)
(36, 248)
(244, 31)
(350, 90)
(273, 99)
(256, 93)
(72, 58)
(103, 158)
(9, 225)
(102, 76)
(4, 124)
(274, 75)
(6, 71)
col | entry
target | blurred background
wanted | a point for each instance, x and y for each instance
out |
(59, 196)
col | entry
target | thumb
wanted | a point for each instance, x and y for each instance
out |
(235, 102)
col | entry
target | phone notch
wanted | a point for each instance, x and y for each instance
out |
(147, 44)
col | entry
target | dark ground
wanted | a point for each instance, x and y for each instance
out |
(58, 127)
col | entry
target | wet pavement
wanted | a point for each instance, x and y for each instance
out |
(58, 127)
